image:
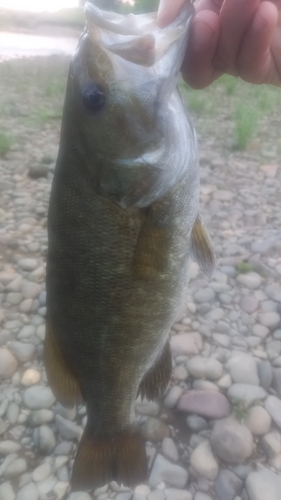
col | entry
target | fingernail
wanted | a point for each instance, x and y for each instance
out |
(259, 23)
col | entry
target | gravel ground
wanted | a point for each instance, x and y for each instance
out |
(216, 433)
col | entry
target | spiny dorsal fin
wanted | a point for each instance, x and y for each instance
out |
(201, 248)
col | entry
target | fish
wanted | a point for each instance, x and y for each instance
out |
(123, 224)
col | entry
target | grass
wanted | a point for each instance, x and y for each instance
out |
(240, 410)
(242, 110)
(244, 267)
(246, 124)
(5, 144)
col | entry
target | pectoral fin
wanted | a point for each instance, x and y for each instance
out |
(201, 248)
(62, 380)
(152, 251)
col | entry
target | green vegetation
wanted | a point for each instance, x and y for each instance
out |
(244, 267)
(240, 410)
(5, 144)
(246, 124)
(238, 108)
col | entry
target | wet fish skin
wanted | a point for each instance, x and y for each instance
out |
(117, 266)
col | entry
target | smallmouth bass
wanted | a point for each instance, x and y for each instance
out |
(123, 223)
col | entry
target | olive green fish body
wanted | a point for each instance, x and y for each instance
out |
(123, 223)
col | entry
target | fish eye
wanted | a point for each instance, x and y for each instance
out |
(93, 97)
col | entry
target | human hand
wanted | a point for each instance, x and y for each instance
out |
(238, 37)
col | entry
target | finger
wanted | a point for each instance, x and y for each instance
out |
(168, 11)
(198, 70)
(235, 17)
(214, 5)
(254, 60)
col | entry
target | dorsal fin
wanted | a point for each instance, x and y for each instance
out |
(201, 248)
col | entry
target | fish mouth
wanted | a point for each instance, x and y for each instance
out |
(136, 38)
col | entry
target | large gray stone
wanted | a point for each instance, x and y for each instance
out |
(263, 485)
(200, 367)
(227, 485)
(209, 404)
(243, 369)
(246, 392)
(273, 406)
(38, 397)
(231, 441)
(203, 461)
(172, 474)
(8, 364)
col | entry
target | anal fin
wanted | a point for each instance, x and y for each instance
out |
(99, 460)
(158, 377)
(62, 380)
(201, 248)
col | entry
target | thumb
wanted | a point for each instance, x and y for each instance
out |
(168, 11)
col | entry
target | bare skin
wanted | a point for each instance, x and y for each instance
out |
(237, 37)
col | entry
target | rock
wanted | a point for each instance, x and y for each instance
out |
(38, 397)
(141, 492)
(39, 417)
(7, 492)
(127, 495)
(260, 331)
(12, 412)
(202, 496)
(231, 441)
(186, 344)
(14, 298)
(242, 471)
(207, 404)
(180, 373)
(203, 461)
(3, 426)
(196, 424)
(262, 485)
(265, 374)
(270, 319)
(44, 439)
(28, 264)
(8, 364)
(246, 392)
(200, 367)
(173, 396)
(16, 468)
(243, 369)
(249, 280)
(277, 381)
(271, 444)
(46, 486)
(204, 385)
(30, 377)
(249, 304)
(169, 449)
(224, 382)
(68, 429)
(23, 352)
(7, 447)
(28, 492)
(37, 171)
(155, 430)
(273, 406)
(204, 295)
(146, 407)
(172, 474)
(227, 485)
(27, 331)
(222, 339)
(258, 420)
(79, 496)
(40, 473)
(173, 494)
(274, 292)
(30, 290)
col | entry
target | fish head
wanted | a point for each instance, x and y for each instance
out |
(121, 78)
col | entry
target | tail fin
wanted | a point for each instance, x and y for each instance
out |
(101, 460)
